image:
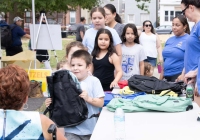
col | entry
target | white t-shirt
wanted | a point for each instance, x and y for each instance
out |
(90, 35)
(131, 57)
(149, 44)
(93, 86)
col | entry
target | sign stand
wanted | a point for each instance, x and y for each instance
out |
(36, 42)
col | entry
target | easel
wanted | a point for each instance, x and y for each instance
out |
(36, 42)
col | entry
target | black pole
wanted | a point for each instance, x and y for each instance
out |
(157, 13)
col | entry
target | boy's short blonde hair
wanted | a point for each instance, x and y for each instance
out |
(60, 64)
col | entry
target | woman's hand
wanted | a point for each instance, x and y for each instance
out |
(191, 75)
(160, 59)
(48, 101)
(84, 95)
(113, 84)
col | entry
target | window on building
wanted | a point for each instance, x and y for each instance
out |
(143, 17)
(166, 16)
(131, 18)
(177, 13)
(123, 6)
(28, 17)
(171, 15)
(72, 17)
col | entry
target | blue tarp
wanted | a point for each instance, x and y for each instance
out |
(109, 96)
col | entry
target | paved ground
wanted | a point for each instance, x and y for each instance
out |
(34, 103)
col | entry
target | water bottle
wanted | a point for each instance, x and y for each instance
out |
(190, 91)
(159, 66)
(119, 121)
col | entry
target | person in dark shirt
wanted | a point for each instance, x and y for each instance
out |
(80, 30)
(17, 34)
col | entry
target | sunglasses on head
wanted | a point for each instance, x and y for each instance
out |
(183, 11)
(148, 25)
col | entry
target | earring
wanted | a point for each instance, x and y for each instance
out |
(184, 29)
(26, 106)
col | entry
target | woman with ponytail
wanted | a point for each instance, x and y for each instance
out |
(113, 20)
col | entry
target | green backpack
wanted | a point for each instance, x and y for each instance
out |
(150, 102)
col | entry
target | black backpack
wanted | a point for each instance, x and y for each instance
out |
(152, 85)
(6, 36)
(67, 108)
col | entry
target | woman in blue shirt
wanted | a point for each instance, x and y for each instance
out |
(174, 50)
(191, 9)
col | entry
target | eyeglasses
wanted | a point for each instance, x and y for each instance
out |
(148, 25)
(183, 11)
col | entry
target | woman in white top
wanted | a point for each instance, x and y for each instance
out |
(151, 43)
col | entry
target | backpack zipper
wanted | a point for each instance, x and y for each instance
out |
(4, 124)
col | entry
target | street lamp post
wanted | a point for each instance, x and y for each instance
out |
(156, 13)
(118, 6)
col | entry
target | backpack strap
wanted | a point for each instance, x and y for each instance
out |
(94, 115)
(46, 110)
(190, 107)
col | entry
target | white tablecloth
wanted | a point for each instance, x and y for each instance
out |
(151, 125)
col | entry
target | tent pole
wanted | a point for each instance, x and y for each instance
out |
(33, 37)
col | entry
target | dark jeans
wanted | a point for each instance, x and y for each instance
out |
(172, 78)
(13, 50)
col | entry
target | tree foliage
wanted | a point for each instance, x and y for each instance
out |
(142, 4)
(47, 5)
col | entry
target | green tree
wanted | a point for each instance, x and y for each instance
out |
(142, 4)
(17, 7)
(48, 5)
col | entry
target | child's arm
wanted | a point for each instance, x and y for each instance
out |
(98, 102)
(91, 69)
(119, 51)
(141, 65)
(116, 61)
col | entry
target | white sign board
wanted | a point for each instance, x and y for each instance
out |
(47, 40)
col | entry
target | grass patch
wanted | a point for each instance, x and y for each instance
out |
(71, 36)
(60, 53)
(163, 45)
